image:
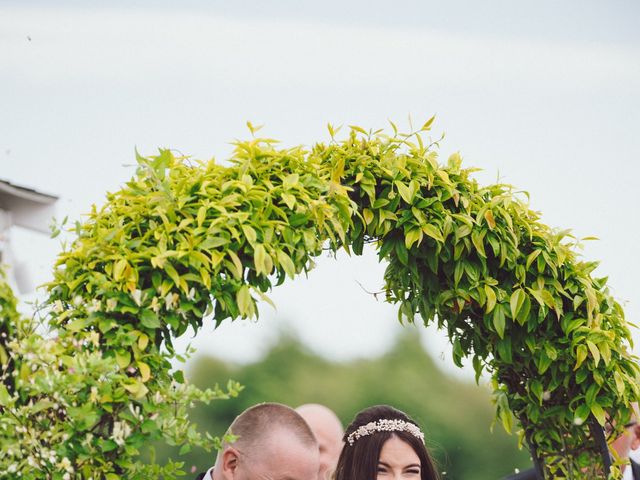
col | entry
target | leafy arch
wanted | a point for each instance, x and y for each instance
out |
(185, 239)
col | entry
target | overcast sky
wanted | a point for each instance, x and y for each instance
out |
(541, 94)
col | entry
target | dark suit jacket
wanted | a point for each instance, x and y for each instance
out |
(201, 476)
(635, 468)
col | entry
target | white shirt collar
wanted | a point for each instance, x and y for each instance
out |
(209, 474)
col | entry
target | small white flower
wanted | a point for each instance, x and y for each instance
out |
(121, 430)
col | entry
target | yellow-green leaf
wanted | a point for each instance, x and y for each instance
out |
(619, 383)
(244, 301)
(289, 200)
(594, 351)
(143, 341)
(491, 298)
(286, 263)
(404, 191)
(202, 213)
(433, 232)
(516, 301)
(236, 263)
(368, 216)
(488, 216)
(259, 259)
(249, 233)
(413, 236)
(599, 413)
(145, 371)
(123, 358)
(118, 269)
(581, 355)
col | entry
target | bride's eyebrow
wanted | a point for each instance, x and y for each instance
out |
(413, 465)
(383, 464)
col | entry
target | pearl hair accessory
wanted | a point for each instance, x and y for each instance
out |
(385, 425)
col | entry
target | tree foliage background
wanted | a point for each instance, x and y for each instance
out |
(456, 416)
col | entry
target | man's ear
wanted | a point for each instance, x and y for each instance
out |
(229, 459)
(635, 443)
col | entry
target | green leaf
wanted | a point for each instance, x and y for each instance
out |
(427, 124)
(289, 200)
(477, 240)
(149, 319)
(77, 325)
(413, 236)
(405, 191)
(537, 389)
(491, 299)
(581, 414)
(202, 212)
(599, 413)
(123, 358)
(367, 215)
(516, 301)
(499, 321)
(531, 257)
(605, 352)
(237, 264)
(592, 394)
(581, 355)
(619, 383)
(118, 269)
(477, 367)
(523, 314)
(433, 232)
(249, 233)
(145, 371)
(5, 398)
(244, 301)
(286, 263)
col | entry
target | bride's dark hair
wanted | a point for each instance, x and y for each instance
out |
(360, 460)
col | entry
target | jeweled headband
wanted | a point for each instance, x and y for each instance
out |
(385, 425)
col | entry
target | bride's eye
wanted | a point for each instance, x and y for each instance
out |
(413, 471)
(381, 469)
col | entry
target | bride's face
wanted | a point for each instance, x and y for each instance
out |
(398, 461)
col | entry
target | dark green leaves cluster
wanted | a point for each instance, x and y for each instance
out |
(183, 240)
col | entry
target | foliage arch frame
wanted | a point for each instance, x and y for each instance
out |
(186, 239)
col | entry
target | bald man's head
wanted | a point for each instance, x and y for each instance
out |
(256, 424)
(327, 428)
(272, 442)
